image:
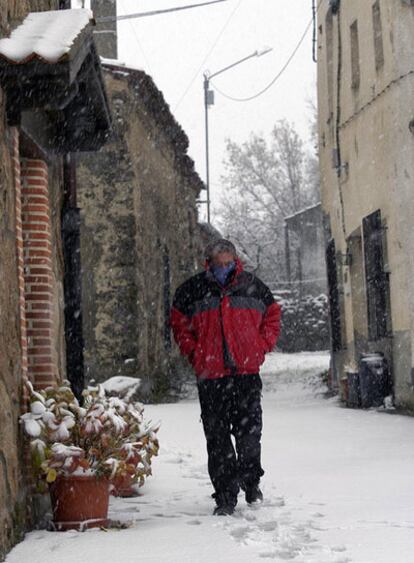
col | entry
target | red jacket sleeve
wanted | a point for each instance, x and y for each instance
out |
(270, 326)
(183, 335)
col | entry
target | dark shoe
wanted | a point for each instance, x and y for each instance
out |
(224, 510)
(226, 503)
(253, 494)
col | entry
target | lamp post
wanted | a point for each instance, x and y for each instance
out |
(209, 101)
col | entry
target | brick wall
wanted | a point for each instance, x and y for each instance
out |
(12, 487)
(38, 275)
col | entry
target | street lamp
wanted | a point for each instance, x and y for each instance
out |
(209, 101)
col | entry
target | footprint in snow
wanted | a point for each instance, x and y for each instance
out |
(274, 503)
(286, 555)
(279, 534)
(269, 526)
(162, 515)
(339, 548)
(241, 533)
(177, 460)
(250, 517)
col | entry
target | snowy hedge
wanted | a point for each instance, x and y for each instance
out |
(304, 324)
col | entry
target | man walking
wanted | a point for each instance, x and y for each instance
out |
(224, 321)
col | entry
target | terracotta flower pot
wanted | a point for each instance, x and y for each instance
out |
(122, 486)
(79, 502)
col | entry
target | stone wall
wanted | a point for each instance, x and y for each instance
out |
(139, 234)
(10, 356)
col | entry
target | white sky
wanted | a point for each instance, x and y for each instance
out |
(172, 47)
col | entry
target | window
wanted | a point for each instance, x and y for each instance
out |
(377, 281)
(333, 294)
(378, 42)
(355, 71)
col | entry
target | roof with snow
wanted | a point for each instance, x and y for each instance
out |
(50, 63)
(48, 36)
(147, 94)
(310, 209)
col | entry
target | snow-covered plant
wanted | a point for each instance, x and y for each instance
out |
(142, 444)
(105, 436)
(304, 323)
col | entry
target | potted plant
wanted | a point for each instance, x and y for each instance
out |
(134, 466)
(135, 455)
(79, 449)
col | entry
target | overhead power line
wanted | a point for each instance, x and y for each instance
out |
(140, 47)
(217, 39)
(155, 12)
(278, 75)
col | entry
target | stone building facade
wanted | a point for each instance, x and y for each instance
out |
(365, 91)
(139, 236)
(140, 241)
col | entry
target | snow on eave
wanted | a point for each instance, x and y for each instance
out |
(47, 36)
(209, 230)
(305, 210)
(118, 63)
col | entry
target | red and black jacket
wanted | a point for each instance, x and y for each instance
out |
(225, 330)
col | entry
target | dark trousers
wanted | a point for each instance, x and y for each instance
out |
(231, 406)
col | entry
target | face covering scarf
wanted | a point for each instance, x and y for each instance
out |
(221, 273)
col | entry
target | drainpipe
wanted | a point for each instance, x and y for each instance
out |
(72, 282)
(70, 233)
(338, 119)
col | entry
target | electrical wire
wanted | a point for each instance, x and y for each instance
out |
(279, 74)
(155, 12)
(223, 29)
(131, 25)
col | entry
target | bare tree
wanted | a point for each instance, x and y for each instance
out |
(264, 182)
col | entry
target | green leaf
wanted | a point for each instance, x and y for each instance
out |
(51, 475)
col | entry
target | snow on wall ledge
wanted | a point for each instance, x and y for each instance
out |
(46, 35)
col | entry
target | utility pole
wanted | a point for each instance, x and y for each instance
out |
(208, 101)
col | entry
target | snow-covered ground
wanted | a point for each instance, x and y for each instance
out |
(339, 487)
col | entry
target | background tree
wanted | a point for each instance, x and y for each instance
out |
(264, 182)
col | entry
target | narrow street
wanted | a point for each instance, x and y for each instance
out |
(338, 488)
